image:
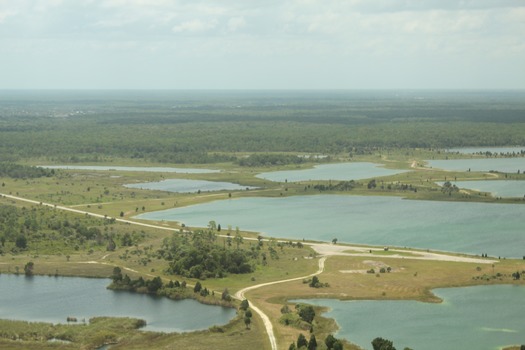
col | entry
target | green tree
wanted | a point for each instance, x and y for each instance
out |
(247, 321)
(330, 341)
(117, 274)
(292, 347)
(382, 344)
(244, 304)
(301, 341)
(338, 345)
(21, 242)
(226, 295)
(238, 238)
(197, 287)
(315, 282)
(28, 268)
(312, 343)
(307, 313)
(111, 245)
(154, 285)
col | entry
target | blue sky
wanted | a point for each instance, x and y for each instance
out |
(266, 44)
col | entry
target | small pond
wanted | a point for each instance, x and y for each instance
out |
(498, 188)
(377, 220)
(188, 186)
(132, 168)
(339, 171)
(504, 165)
(53, 299)
(481, 317)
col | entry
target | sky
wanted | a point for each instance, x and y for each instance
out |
(262, 44)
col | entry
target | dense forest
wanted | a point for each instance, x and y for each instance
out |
(197, 255)
(206, 127)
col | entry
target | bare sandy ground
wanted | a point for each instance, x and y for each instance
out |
(326, 249)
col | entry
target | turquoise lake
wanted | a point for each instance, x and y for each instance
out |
(499, 188)
(53, 299)
(504, 165)
(132, 168)
(188, 186)
(340, 171)
(476, 228)
(481, 317)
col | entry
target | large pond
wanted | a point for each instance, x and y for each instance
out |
(496, 229)
(188, 186)
(504, 165)
(53, 299)
(498, 188)
(340, 171)
(483, 318)
(132, 168)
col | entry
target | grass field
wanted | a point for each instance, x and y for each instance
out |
(346, 276)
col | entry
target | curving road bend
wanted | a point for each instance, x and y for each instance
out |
(266, 320)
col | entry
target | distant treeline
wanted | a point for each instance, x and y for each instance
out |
(204, 129)
(18, 171)
(270, 159)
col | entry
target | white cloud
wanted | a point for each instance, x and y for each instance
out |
(6, 14)
(194, 26)
(299, 39)
(236, 23)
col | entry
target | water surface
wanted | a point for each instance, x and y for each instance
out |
(53, 299)
(339, 171)
(496, 229)
(188, 186)
(481, 317)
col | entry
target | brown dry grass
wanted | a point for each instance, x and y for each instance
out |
(409, 279)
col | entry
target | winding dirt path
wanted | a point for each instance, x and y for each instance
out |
(240, 295)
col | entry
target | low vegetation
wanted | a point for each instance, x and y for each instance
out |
(207, 263)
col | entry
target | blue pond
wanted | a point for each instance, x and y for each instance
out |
(53, 299)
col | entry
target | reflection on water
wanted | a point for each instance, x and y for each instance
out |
(483, 318)
(188, 186)
(448, 226)
(340, 171)
(53, 299)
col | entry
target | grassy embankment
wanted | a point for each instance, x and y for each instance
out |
(122, 333)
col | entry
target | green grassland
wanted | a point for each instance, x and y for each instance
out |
(261, 134)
